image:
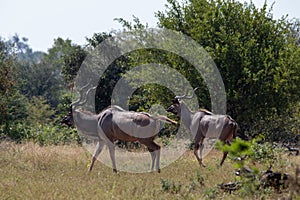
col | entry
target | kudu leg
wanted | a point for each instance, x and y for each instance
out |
(153, 157)
(224, 154)
(154, 150)
(199, 144)
(224, 157)
(158, 160)
(201, 154)
(111, 148)
(98, 150)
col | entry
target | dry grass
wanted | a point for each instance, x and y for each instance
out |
(29, 171)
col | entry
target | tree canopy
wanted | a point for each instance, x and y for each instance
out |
(256, 54)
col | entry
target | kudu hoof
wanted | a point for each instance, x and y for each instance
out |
(158, 170)
(115, 171)
(90, 170)
(202, 165)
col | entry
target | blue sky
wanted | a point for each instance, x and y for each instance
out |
(41, 21)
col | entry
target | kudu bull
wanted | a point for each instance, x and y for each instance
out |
(204, 124)
(114, 123)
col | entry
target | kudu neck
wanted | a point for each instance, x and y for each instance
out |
(86, 122)
(186, 115)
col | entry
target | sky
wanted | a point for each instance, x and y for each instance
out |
(41, 21)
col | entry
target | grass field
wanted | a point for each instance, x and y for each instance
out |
(29, 171)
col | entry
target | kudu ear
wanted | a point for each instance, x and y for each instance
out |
(175, 101)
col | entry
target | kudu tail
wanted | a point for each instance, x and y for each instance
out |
(236, 127)
(164, 118)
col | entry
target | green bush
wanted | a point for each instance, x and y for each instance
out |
(171, 186)
(14, 131)
(264, 152)
(256, 150)
(46, 134)
(49, 134)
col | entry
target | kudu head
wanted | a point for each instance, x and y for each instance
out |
(175, 107)
(68, 119)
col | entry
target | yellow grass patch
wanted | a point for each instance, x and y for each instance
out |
(29, 171)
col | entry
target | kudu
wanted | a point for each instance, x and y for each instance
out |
(115, 123)
(204, 124)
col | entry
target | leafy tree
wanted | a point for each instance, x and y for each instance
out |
(12, 103)
(23, 52)
(7, 81)
(68, 58)
(112, 73)
(39, 111)
(40, 79)
(40, 74)
(6, 70)
(97, 38)
(257, 56)
(31, 86)
(151, 94)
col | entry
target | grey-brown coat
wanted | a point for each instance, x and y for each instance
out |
(204, 124)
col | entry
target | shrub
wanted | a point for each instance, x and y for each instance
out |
(171, 186)
(45, 134)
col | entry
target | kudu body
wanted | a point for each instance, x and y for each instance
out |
(114, 123)
(204, 124)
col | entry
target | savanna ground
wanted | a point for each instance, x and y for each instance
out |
(30, 171)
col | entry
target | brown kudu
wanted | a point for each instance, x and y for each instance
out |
(204, 124)
(115, 123)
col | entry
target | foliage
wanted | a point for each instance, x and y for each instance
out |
(49, 135)
(256, 150)
(31, 87)
(7, 82)
(71, 61)
(16, 110)
(171, 187)
(238, 148)
(63, 107)
(247, 156)
(39, 74)
(42, 134)
(265, 152)
(39, 79)
(112, 73)
(6, 68)
(256, 55)
(40, 111)
(13, 131)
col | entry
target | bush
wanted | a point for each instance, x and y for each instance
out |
(14, 131)
(264, 152)
(46, 134)
(171, 186)
(49, 134)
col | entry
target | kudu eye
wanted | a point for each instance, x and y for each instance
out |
(170, 108)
